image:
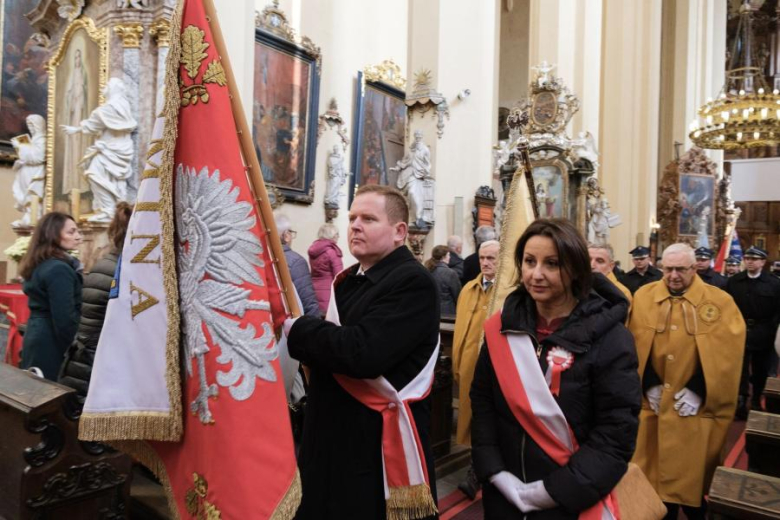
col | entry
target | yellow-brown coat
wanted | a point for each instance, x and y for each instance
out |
(466, 342)
(676, 334)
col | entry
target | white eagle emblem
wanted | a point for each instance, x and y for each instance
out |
(217, 252)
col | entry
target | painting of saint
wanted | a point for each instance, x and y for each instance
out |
(381, 127)
(23, 87)
(75, 71)
(283, 104)
(697, 204)
(550, 196)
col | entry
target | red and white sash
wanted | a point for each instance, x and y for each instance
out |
(533, 405)
(407, 489)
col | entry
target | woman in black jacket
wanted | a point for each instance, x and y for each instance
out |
(77, 368)
(52, 283)
(562, 315)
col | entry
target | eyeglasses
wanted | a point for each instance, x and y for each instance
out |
(292, 233)
(681, 270)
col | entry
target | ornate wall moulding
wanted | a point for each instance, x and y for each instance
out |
(273, 20)
(425, 98)
(330, 119)
(70, 9)
(387, 72)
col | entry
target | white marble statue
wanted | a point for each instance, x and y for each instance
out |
(702, 238)
(30, 171)
(337, 177)
(501, 155)
(108, 160)
(416, 182)
(543, 71)
(585, 148)
(598, 225)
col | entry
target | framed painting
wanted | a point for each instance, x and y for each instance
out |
(23, 84)
(697, 205)
(551, 187)
(78, 71)
(380, 128)
(285, 105)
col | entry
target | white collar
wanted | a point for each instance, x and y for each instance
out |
(753, 276)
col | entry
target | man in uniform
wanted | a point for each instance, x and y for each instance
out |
(689, 338)
(732, 266)
(602, 260)
(372, 359)
(757, 294)
(643, 273)
(705, 270)
(471, 312)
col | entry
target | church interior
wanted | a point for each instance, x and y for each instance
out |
(645, 123)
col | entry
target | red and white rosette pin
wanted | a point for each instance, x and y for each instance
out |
(558, 360)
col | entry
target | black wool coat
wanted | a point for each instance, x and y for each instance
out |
(633, 280)
(714, 278)
(759, 301)
(54, 297)
(600, 397)
(389, 327)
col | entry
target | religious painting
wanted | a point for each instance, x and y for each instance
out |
(697, 205)
(284, 119)
(23, 85)
(550, 189)
(77, 74)
(380, 127)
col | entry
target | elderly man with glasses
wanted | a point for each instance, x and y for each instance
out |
(689, 339)
(299, 268)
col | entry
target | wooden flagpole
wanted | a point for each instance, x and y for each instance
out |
(253, 164)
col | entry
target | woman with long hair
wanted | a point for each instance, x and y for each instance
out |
(77, 368)
(52, 283)
(556, 393)
(446, 279)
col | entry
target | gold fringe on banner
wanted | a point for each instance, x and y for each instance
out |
(288, 505)
(410, 503)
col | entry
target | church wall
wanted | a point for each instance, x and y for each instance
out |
(7, 215)
(513, 63)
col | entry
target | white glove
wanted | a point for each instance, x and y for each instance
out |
(508, 485)
(653, 396)
(288, 323)
(688, 402)
(535, 497)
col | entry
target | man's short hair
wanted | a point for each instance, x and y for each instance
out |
(488, 243)
(484, 233)
(680, 248)
(283, 223)
(396, 206)
(605, 247)
(454, 242)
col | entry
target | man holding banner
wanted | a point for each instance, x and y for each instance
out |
(366, 449)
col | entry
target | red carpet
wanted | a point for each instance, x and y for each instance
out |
(457, 506)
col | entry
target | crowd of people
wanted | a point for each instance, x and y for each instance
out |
(583, 370)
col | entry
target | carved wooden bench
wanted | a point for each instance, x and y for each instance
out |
(772, 395)
(762, 443)
(743, 495)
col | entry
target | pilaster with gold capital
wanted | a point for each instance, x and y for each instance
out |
(131, 33)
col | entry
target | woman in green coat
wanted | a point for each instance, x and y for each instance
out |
(52, 283)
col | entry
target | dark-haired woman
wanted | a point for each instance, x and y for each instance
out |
(446, 279)
(77, 369)
(52, 283)
(556, 392)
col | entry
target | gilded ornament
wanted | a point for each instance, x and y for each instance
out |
(193, 49)
(161, 31)
(196, 503)
(274, 21)
(215, 74)
(386, 72)
(130, 33)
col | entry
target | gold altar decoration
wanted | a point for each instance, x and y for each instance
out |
(161, 31)
(745, 114)
(386, 72)
(130, 33)
(274, 21)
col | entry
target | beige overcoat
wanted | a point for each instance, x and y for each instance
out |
(677, 334)
(466, 342)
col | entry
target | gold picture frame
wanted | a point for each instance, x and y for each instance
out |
(79, 63)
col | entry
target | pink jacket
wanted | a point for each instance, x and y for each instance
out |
(325, 262)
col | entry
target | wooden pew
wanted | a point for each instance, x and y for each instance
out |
(772, 395)
(762, 443)
(743, 495)
(45, 471)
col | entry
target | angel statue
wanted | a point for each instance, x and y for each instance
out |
(30, 171)
(417, 183)
(108, 160)
(337, 177)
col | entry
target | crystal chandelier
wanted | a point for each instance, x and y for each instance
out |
(745, 114)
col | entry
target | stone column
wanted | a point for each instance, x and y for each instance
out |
(631, 73)
(161, 32)
(130, 33)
